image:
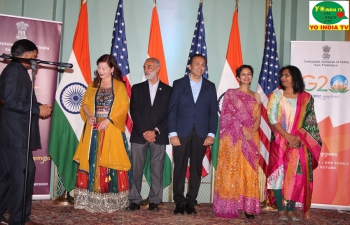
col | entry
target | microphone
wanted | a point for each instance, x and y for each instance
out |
(5, 56)
(59, 64)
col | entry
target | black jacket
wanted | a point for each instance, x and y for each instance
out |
(147, 117)
(15, 92)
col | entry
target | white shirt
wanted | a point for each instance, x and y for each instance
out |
(153, 90)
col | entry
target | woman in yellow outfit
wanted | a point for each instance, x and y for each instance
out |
(102, 154)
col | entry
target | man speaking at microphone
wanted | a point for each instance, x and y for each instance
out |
(15, 96)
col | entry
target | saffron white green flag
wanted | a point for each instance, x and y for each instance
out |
(228, 78)
(67, 124)
(155, 50)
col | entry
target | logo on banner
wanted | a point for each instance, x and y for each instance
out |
(71, 97)
(339, 84)
(329, 15)
(326, 50)
(21, 28)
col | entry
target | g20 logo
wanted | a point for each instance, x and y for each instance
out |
(337, 84)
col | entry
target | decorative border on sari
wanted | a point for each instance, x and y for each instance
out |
(97, 202)
(303, 100)
(228, 208)
(277, 152)
(303, 182)
(312, 145)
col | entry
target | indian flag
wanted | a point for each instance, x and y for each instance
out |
(67, 124)
(155, 50)
(228, 77)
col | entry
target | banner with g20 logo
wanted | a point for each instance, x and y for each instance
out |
(325, 66)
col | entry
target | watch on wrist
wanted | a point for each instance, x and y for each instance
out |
(156, 132)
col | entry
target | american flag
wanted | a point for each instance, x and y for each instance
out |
(198, 46)
(268, 82)
(119, 50)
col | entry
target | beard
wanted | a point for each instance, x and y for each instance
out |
(150, 76)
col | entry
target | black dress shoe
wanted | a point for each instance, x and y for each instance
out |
(190, 209)
(249, 216)
(180, 209)
(133, 207)
(153, 207)
(4, 222)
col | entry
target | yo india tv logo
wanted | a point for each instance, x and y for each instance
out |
(329, 15)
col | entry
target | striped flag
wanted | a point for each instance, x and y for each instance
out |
(67, 124)
(155, 45)
(119, 50)
(228, 77)
(198, 46)
(268, 82)
(155, 50)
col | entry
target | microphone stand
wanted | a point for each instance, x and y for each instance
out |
(33, 66)
(58, 64)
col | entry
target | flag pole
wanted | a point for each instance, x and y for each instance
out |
(264, 90)
(268, 5)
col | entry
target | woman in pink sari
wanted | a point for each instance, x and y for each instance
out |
(295, 144)
(236, 180)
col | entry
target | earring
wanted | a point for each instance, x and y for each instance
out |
(112, 73)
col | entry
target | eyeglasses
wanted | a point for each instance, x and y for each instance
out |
(285, 74)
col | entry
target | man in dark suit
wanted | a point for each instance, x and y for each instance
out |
(192, 122)
(148, 107)
(15, 95)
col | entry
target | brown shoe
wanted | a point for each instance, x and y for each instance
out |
(32, 223)
(4, 222)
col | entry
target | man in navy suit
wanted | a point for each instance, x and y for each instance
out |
(15, 96)
(192, 123)
(148, 107)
